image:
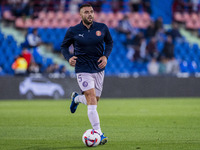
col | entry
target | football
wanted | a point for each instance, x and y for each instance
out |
(91, 138)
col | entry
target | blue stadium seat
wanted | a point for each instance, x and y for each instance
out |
(184, 66)
(114, 37)
(7, 68)
(160, 46)
(195, 49)
(45, 34)
(38, 58)
(126, 7)
(193, 67)
(3, 60)
(9, 52)
(63, 31)
(1, 38)
(44, 38)
(134, 70)
(56, 46)
(17, 51)
(195, 46)
(122, 37)
(10, 39)
(49, 61)
(106, 7)
(1, 50)
(186, 46)
(183, 53)
(177, 48)
(10, 60)
(4, 45)
(40, 32)
(13, 45)
(30, 30)
(187, 58)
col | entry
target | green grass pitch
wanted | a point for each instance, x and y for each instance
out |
(146, 124)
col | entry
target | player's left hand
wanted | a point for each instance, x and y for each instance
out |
(103, 62)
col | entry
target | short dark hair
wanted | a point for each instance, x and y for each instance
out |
(85, 5)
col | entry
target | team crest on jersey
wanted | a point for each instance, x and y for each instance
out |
(98, 33)
(85, 84)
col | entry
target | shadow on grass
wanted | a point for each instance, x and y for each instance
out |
(56, 148)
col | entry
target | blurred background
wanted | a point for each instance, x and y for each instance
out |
(156, 50)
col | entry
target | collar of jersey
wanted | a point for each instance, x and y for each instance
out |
(84, 27)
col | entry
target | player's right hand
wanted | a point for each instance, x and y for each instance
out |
(72, 61)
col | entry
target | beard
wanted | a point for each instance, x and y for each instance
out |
(87, 22)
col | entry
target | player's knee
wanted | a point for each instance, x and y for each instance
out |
(92, 100)
(91, 97)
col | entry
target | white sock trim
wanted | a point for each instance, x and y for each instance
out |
(80, 99)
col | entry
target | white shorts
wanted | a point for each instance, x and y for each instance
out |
(87, 81)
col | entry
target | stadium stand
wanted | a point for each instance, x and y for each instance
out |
(191, 20)
(53, 23)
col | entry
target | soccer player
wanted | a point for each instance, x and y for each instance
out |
(90, 59)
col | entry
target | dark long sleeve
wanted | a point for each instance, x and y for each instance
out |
(68, 40)
(108, 43)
